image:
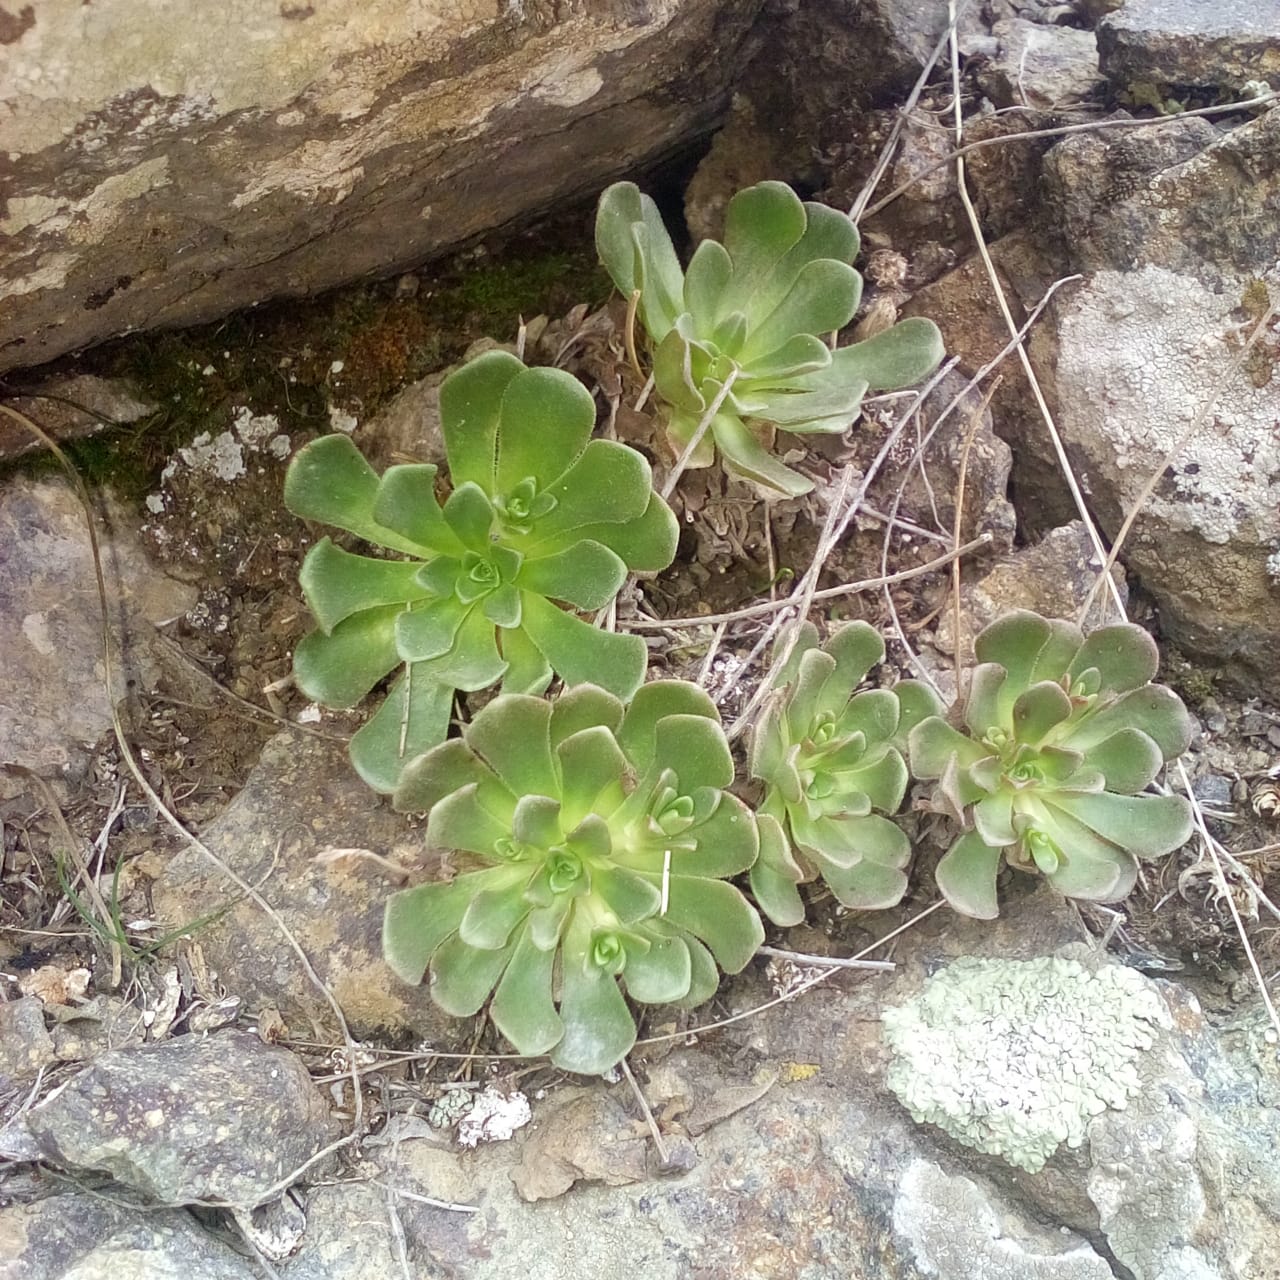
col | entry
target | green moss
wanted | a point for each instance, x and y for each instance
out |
(1195, 684)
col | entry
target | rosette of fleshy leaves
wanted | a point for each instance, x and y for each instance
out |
(605, 839)
(1058, 738)
(539, 515)
(831, 764)
(758, 308)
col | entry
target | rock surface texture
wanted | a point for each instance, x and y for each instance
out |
(1179, 253)
(1221, 45)
(51, 629)
(196, 1119)
(302, 800)
(153, 181)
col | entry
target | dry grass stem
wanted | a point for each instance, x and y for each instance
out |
(664, 1152)
(696, 439)
(800, 957)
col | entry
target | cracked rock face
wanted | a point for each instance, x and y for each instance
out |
(152, 181)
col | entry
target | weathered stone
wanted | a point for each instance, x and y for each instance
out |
(152, 181)
(50, 623)
(81, 1237)
(1053, 578)
(1222, 45)
(1041, 66)
(197, 1119)
(302, 799)
(69, 408)
(25, 1044)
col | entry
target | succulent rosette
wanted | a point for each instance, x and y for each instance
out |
(759, 308)
(538, 515)
(831, 766)
(605, 839)
(1055, 742)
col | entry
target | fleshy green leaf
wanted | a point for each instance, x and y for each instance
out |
(704, 283)
(469, 514)
(430, 777)
(761, 224)
(340, 668)
(536, 821)
(775, 874)
(646, 544)
(598, 1030)
(719, 915)
(493, 914)
(581, 653)
(1155, 710)
(474, 661)
(866, 886)
(629, 896)
(933, 743)
(522, 1008)
(462, 976)
(528, 671)
(822, 299)
(430, 630)
(898, 357)
(586, 575)
(966, 877)
(590, 761)
(512, 734)
(609, 484)
(747, 457)
(413, 718)
(470, 409)
(583, 706)
(1128, 759)
(460, 821)
(637, 733)
(695, 749)
(337, 584)
(1039, 710)
(1125, 656)
(546, 420)
(660, 975)
(417, 920)
(330, 482)
(406, 503)
(1145, 826)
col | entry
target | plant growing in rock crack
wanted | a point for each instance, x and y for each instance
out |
(748, 315)
(539, 512)
(606, 838)
(828, 757)
(1060, 734)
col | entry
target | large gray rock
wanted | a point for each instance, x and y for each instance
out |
(216, 1119)
(302, 799)
(50, 623)
(78, 1236)
(153, 180)
(1178, 243)
(1222, 44)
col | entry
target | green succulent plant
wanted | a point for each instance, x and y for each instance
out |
(606, 837)
(756, 307)
(828, 757)
(539, 512)
(1060, 736)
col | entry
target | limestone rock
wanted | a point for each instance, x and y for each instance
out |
(151, 180)
(77, 1236)
(1053, 578)
(1222, 45)
(218, 1118)
(1041, 66)
(50, 623)
(25, 1044)
(302, 799)
(68, 408)
(1179, 252)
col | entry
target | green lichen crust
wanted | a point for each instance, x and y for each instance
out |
(1015, 1057)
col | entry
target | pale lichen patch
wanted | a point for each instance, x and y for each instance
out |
(1015, 1057)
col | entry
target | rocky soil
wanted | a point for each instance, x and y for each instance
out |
(206, 1069)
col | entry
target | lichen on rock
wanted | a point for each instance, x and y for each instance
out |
(1015, 1057)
